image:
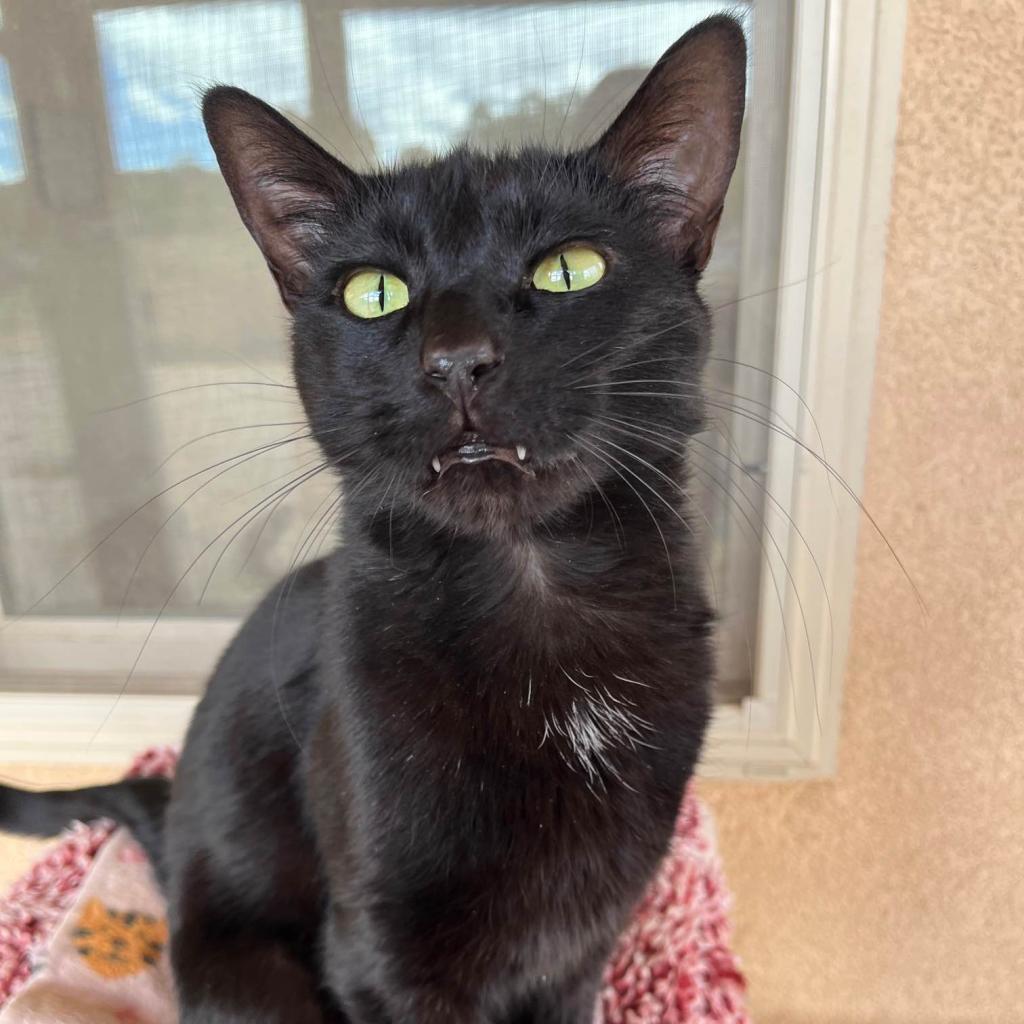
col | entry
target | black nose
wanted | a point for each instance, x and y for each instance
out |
(459, 368)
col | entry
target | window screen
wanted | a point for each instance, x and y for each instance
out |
(145, 408)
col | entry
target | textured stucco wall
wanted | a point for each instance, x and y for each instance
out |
(895, 893)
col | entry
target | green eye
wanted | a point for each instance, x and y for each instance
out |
(569, 270)
(372, 292)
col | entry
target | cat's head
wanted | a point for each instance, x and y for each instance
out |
(457, 324)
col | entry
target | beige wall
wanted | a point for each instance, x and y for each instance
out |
(895, 893)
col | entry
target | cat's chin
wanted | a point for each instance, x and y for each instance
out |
(499, 496)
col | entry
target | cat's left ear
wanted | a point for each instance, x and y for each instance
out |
(285, 186)
(681, 132)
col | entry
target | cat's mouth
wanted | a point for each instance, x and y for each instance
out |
(471, 449)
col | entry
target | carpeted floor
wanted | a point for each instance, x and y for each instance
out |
(17, 853)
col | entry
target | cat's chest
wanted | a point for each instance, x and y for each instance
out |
(597, 720)
(535, 759)
(483, 786)
(506, 732)
(562, 696)
(550, 802)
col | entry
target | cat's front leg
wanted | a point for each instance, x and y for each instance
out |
(577, 1005)
(571, 1001)
(373, 987)
(415, 1006)
(239, 979)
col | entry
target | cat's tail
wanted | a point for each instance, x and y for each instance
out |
(138, 804)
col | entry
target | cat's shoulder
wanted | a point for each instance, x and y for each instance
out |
(275, 652)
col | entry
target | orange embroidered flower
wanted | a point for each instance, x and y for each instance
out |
(118, 943)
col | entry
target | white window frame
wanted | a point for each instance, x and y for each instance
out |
(847, 63)
(63, 676)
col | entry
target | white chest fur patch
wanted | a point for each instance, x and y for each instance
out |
(596, 724)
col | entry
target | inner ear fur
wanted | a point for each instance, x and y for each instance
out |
(680, 134)
(284, 185)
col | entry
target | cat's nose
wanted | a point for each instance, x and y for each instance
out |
(459, 351)
(458, 367)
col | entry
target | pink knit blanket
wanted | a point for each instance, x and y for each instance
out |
(83, 934)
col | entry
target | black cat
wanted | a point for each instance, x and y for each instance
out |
(435, 770)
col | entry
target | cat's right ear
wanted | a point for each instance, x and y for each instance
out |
(680, 133)
(285, 186)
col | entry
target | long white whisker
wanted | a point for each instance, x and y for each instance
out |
(657, 525)
(778, 590)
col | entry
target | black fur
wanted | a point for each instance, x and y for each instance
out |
(137, 803)
(434, 771)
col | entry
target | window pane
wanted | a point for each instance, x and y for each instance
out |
(11, 167)
(128, 274)
(157, 60)
(543, 73)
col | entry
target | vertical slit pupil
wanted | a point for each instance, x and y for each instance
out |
(566, 276)
(380, 292)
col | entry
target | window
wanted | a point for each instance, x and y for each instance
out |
(12, 169)
(174, 498)
(156, 59)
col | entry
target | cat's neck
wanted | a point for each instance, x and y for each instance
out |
(616, 559)
(572, 646)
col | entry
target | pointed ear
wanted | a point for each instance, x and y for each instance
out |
(285, 186)
(681, 132)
